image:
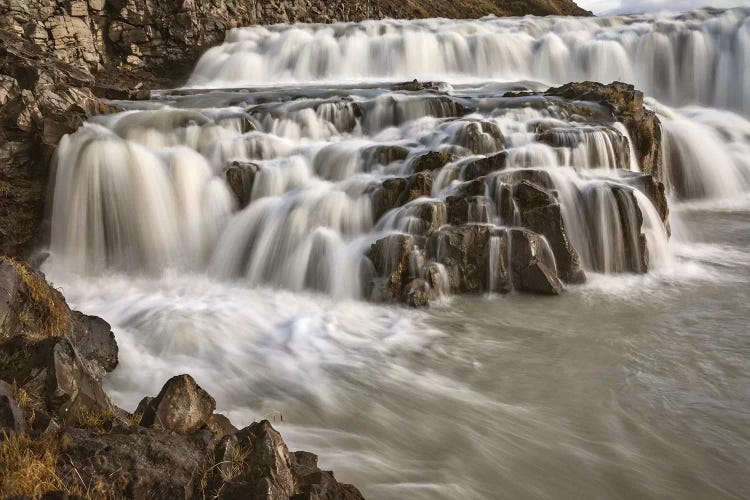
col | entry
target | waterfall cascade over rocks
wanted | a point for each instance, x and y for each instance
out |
(370, 190)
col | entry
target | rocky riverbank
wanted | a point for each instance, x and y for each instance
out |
(60, 432)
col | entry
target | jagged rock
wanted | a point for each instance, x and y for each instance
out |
(313, 483)
(652, 188)
(44, 98)
(241, 178)
(433, 160)
(417, 293)
(465, 209)
(540, 211)
(390, 257)
(94, 339)
(626, 104)
(416, 86)
(52, 369)
(532, 264)
(182, 406)
(12, 419)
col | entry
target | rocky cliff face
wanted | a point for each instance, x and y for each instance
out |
(171, 34)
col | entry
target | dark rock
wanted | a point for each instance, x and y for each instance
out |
(417, 293)
(391, 259)
(133, 463)
(241, 178)
(12, 419)
(182, 406)
(539, 211)
(398, 191)
(654, 190)
(416, 86)
(466, 209)
(53, 370)
(481, 137)
(631, 224)
(95, 341)
(466, 254)
(484, 166)
(385, 154)
(532, 263)
(313, 483)
(433, 160)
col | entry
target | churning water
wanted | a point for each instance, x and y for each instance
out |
(630, 386)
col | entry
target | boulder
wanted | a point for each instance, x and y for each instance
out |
(390, 257)
(313, 483)
(532, 264)
(241, 178)
(182, 406)
(466, 209)
(540, 211)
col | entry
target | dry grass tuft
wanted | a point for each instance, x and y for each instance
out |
(49, 315)
(28, 467)
(229, 470)
(98, 421)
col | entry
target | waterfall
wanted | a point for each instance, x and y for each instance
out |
(687, 58)
(294, 186)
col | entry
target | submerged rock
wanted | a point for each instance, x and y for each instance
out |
(241, 178)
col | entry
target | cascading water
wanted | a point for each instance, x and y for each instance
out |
(241, 234)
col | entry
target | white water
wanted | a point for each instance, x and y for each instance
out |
(700, 57)
(631, 386)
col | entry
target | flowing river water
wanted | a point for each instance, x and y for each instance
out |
(628, 386)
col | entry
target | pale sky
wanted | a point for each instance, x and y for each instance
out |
(626, 6)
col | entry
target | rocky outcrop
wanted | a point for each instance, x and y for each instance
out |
(626, 105)
(41, 99)
(174, 446)
(241, 178)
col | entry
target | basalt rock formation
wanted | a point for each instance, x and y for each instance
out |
(60, 433)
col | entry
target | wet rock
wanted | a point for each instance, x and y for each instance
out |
(417, 293)
(631, 224)
(540, 211)
(626, 104)
(465, 253)
(241, 178)
(465, 209)
(532, 264)
(653, 189)
(390, 257)
(12, 419)
(182, 406)
(398, 191)
(485, 166)
(52, 369)
(384, 154)
(433, 160)
(417, 86)
(481, 137)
